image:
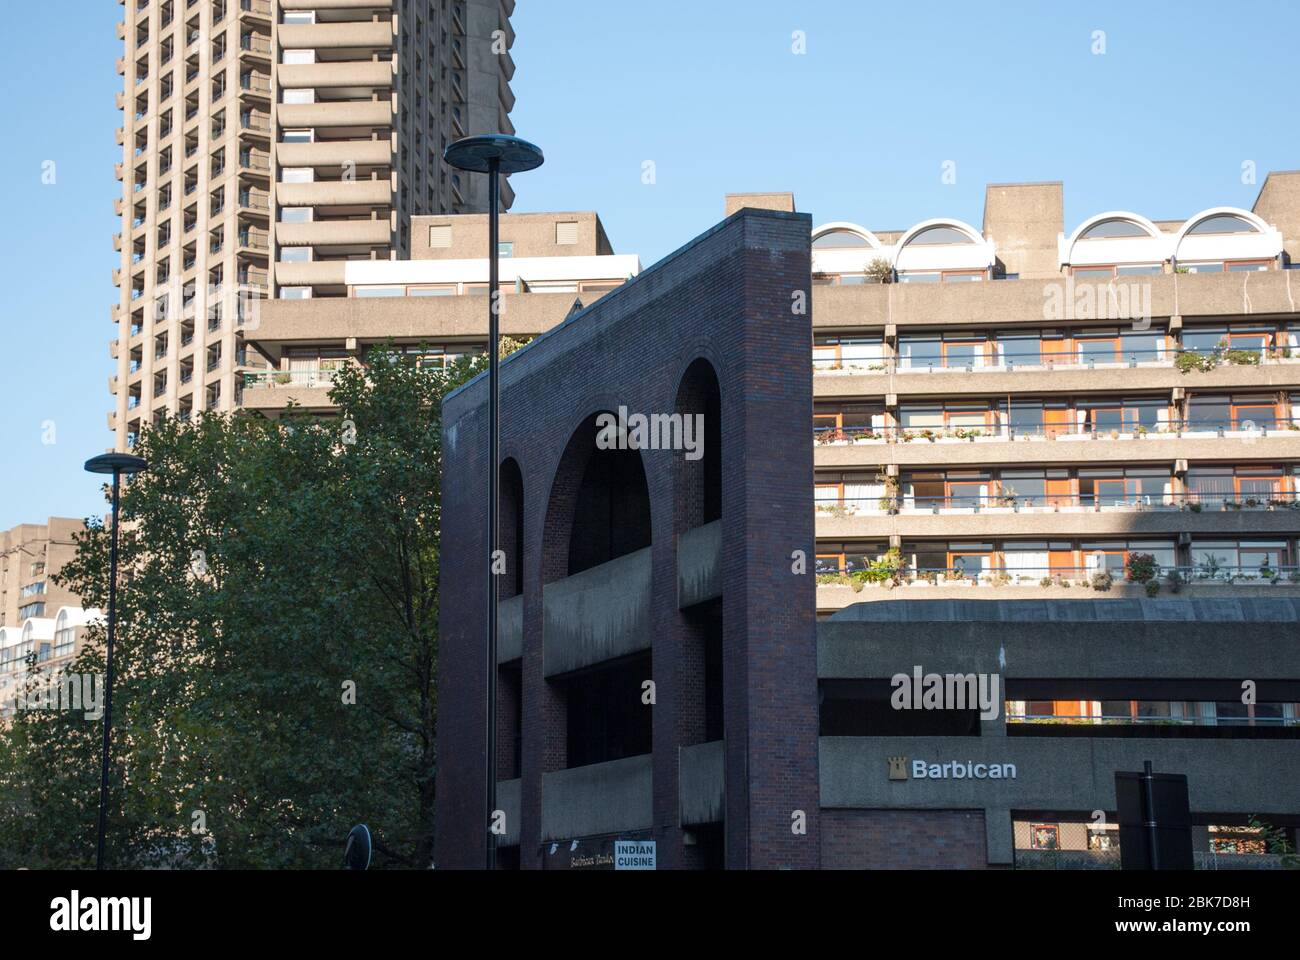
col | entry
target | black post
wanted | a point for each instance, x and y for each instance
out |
(108, 677)
(494, 441)
(497, 155)
(1149, 805)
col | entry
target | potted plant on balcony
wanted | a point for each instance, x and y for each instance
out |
(1141, 568)
(1102, 580)
(880, 271)
(283, 377)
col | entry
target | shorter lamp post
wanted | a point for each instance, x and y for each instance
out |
(115, 464)
(494, 154)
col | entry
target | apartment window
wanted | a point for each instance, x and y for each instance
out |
(566, 233)
(295, 214)
(295, 254)
(299, 17)
(295, 293)
(31, 610)
(296, 174)
(296, 136)
(299, 96)
(298, 56)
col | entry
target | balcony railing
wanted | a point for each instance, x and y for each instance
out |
(976, 575)
(1197, 502)
(1242, 427)
(1004, 362)
(290, 378)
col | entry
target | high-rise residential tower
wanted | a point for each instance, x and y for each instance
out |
(265, 144)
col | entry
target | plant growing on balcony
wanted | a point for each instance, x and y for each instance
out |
(886, 568)
(879, 271)
(929, 434)
(1190, 360)
(1175, 580)
(283, 378)
(1244, 358)
(1141, 568)
(1152, 588)
(1102, 581)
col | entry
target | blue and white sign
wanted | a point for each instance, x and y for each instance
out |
(634, 854)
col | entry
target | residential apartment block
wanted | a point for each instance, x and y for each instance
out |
(1048, 409)
(266, 144)
(30, 555)
(433, 304)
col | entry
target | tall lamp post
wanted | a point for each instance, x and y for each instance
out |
(495, 155)
(115, 464)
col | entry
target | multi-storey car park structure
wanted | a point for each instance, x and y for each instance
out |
(266, 144)
(982, 362)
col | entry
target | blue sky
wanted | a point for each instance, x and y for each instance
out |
(858, 127)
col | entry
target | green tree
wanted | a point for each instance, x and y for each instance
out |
(277, 644)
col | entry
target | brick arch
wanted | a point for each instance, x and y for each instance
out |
(511, 527)
(598, 508)
(697, 484)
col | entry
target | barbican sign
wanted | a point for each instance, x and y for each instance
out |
(950, 770)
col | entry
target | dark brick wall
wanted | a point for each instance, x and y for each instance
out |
(903, 840)
(725, 297)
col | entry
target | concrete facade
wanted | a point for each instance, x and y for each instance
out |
(265, 143)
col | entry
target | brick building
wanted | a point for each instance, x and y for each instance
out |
(643, 565)
(772, 740)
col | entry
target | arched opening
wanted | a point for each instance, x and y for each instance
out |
(510, 688)
(611, 512)
(511, 529)
(1114, 228)
(697, 499)
(698, 477)
(599, 510)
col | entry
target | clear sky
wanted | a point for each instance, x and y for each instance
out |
(859, 127)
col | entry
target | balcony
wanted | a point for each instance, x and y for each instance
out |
(702, 789)
(342, 113)
(1076, 370)
(699, 564)
(364, 153)
(602, 798)
(325, 233)
(998, 302)
(597, 615)
(377, 35)
(367, 76)
(360, 193)
(1056, 443)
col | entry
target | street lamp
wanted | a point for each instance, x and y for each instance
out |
(116, 464)
(493, 154)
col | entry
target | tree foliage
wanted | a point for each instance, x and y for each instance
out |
(276, 644)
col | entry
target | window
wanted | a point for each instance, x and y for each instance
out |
(1110, 229)
(1223, 223)
(566, 233)
(295, 254)
(940, 235)
(297, 136)
(836, 239)
(440, 236)
(505, 248)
